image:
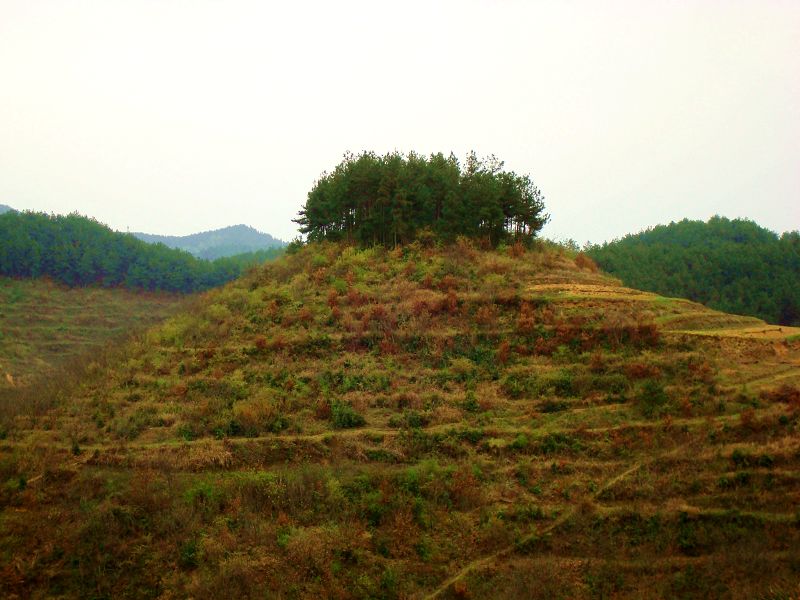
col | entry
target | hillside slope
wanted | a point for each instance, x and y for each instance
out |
(418, 423)
(5, 208)
(44, 325)
(730, 265)
(217, 243)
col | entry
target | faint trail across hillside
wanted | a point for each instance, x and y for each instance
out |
(564, 517)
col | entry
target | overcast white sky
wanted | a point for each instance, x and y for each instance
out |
(172, 116)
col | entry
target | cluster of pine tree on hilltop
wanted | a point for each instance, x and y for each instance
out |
(731, 265)
(390, 199)
(77, 251)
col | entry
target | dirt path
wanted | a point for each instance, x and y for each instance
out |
(562, 518)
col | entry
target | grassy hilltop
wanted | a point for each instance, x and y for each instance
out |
(414, 423)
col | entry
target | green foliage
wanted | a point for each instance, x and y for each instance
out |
(394, 198)
(188, 556)
(555, 443)
(731, 265)
(79, 251)
(652, 399)
(344, 416)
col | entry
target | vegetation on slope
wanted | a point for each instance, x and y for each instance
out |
(76, 250)
(734, 266)
(228, 241)
(391, 199)
(44, 325)
(413, 423)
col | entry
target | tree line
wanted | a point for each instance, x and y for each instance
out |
(731, 265)
(79, 251)
(371, 199)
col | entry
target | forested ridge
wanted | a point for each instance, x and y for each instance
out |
(390, 199)
(731, 265)
(77, 251)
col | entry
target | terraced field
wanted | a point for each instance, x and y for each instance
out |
(418, 423)
(44, 325)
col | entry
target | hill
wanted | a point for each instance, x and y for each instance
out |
(45, 326)
(4, 209)
(218, 243)
(730, 265)
(79, 251)
(416, 423)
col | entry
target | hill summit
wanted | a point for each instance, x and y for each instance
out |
(217, 243)
(415, 423)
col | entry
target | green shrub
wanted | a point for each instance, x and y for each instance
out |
(652, 399)
(188, 556)
(520, 442)
(553, 443)
(344, 416)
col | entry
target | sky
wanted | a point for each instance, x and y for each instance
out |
(177, 116)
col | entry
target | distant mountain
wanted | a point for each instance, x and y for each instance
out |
(210, 245)
(734, 266)
(4, 208)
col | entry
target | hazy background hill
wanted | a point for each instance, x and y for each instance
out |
(4, 208)
(731, 265)
(227, 241)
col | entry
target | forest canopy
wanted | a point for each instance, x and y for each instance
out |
(79, 251)
(731, 265)
(389, 199)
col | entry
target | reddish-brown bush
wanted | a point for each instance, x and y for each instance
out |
(387, 346)
(638, 370)
(305, 316)
(451, 302)
(748, 419)
(584, 262)
(356, 298)
(465, 489)
(320, 276)
(701, 370)
(503, 352)
(517, 250)
(597, 363)
(526, 320)
(785, 393)
(448, 283)
(333, 298)
(322, 409)
(486, 316)
(419, 307)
